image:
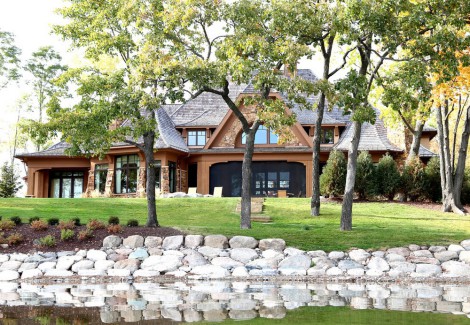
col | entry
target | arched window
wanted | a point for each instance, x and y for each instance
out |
(263, 136)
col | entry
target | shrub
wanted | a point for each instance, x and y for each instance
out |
(432, 170)
(114, 229)
(53, 221)
(365, 184)
(47, 241)
(16, 220)
(69, 224)
(33, 219)
(77, 222)
(85, 234)
(66, 234)
(39, 225)
(113, 220)
(465, 194)
(333, 178)
(94, 224)
(388, 177)
(15, 239)
(413, 180)
(132, 223)
(6, 225)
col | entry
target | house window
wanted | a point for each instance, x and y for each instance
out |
(263, 136)
(197, 138)
(66, 184)
(158, 171)
(101, 172)
(172, 176)
(327, 136)
(127, 170)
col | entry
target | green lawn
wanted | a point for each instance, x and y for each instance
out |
(375, 225)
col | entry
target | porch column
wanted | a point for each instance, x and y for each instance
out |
(203, 175)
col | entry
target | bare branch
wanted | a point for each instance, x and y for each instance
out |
(137, 145)
(345, 57)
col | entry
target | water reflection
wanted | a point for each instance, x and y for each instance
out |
(215, 300)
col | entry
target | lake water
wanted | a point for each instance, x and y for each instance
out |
(229, 302)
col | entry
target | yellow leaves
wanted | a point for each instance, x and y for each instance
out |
(451, 90)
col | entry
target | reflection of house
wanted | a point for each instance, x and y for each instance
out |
(201, 145)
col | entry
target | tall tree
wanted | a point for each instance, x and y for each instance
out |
(44, 67)
(9, 181)
(9, 59)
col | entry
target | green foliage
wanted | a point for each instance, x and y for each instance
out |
(388, 177)
(9, 59)
(9, 181)
(365, 184)
(53, 221)
(85, 234)
(433, 191)
(76, 221)
(113, 220)
(132, 223)
(333, 178)
(67, 234)
(17, 220)
(47, 241)
(465, 195)
(413, 180)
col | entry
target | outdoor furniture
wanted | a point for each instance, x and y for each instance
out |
(217, 192)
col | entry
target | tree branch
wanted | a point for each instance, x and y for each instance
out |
(345, 56)
(405, 121)
(138, 145)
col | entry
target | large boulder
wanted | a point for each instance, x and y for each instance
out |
(9, 275)
(349, 264)
(263, 263)
(403, 251)
(172, 242)
(153, 241)
(127, 264)
(210, 271)
(139, 254)
(464, 256)
(359, 255)
(456, 269)
(243, 242)
(96, 255)
(209, 252)
(83, 265)
(10, 265)
(216, 241)
(164, 264)
(295, 265)
(445, 256)
(336, 255)
(226, 262)
(276, 244)
(378, 264)
(194, 258)
(243, 255)
(30, 274)
(104, 265)
(134, 241)
(112, 241)
(426, 270)
(193, 241)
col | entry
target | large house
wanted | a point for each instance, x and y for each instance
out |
(201, 145)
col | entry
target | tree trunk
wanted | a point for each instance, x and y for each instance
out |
(448, 199)
(414, 149)
(315, 201)
(346, 212)
(150, 170)
(460, 169)
(245, 216)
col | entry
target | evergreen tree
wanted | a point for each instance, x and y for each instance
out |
(413, 180)
(9, 181)
(388, 177)
(333, 179)
(365, 185)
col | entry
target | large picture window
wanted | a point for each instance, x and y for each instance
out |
(263, 136)
(197, 138)
(127, 170)
(65, 184)
(101, 173)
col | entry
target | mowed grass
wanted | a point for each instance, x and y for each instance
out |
(375, 225)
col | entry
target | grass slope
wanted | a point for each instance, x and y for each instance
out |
(375, 225)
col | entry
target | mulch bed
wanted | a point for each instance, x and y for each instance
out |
(96, 242)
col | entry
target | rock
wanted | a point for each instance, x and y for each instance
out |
(153, 241)
(58, 273)
(243, 242)
(133, 241)
(426, 270)
(226, 262)
(43, 267)
(139, 254)
(423, 260)
(116, 257)
(174, 252)
(359, 255)
(9, 275)
(128, 264)
(65, 262)
(334, 271)
(216, 241)
(27, 266)
(91, 272)
(155, 251)
(464, 256)
(104, 265)
(173, 242)
(272, 312)
(455, 269)
(336, 255)
(295, 265)
(32, 273)
(405, 267)
(378, 263)
(317, 253)
(403, 251)
(414, 247)
(445, 256)
(349, 264)
(271, 253)
(145, 273)
(378, 254)
(317, 270)
(210, 271)
(194, 258)
(124, 251)
(193, 241)
(465, 244)
(11, 265)
(452, 248)
(18, 257)
(162, 263)
(209, 252)
(291, 251)
(243, 255)
(276, 244)
(422, 253)
(392, 257)
(112, 241)
(83, 265)
(262, 263)
(4, 258)
(356, 272)
(119, 272)
(95, 255)
(177, 273)
(437, 249)
(374, 273)
(240, 271)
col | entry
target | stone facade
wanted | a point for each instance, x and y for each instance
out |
(109, 189)
(165, 179)
(141, 182)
